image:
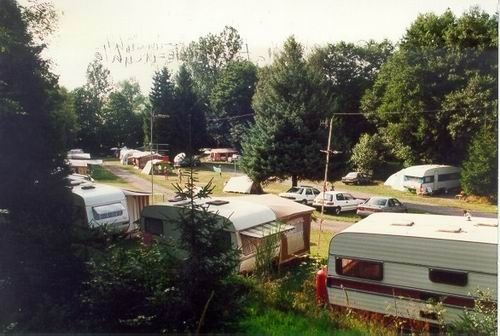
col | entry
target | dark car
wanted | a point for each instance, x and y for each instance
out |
(356, 178)
(380, 204)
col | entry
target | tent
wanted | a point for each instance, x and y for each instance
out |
(395, 181)
(179, 158)
(242, 184)
(159, 165)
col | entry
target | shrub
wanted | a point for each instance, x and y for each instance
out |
(480, 320)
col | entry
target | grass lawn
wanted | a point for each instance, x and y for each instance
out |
(270, 321)
(204, 173)
(320, 243)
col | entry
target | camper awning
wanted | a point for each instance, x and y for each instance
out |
(267, 229)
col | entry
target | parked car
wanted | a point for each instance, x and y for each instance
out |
(380, 204)
(356, 178)
(337, 201)
(301, 194)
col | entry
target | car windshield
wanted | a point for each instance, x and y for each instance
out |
(353, 174)
(377, 201)
(294, 190)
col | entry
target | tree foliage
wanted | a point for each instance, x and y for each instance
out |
(231, 102)
(366, 153)
(89, 102)
(286, 137)
(480, 169)
(39, 273)
(161, 98)
(205, 58)
(425, 93)
(123, 114)
(189, 117)
(347, 70)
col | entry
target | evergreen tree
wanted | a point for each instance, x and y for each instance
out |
(286, 139)
(480, 169)
(39, 274)
(161, 98)
(190, 124)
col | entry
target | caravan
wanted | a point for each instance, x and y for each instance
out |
(399, 264)
(430, 179)
(251, 219)
(100, 205)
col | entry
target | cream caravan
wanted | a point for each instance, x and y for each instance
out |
(396, 264)
(100, 205)
(429, 179)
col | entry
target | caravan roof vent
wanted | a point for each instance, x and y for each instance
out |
(451, 230)
(217, 202)
(487, 224)
(403, 223)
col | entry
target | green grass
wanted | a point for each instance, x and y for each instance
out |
(270, 321)
(101, 174)
(320, 242)
(205, 172)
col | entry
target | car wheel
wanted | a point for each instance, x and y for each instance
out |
(304, 201)
(337, 210)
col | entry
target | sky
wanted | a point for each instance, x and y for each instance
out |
(135, 38)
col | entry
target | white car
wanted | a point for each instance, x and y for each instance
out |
(301, 194)
(337, 201)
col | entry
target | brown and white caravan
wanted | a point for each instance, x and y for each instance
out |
(395, 264)
(251, 219)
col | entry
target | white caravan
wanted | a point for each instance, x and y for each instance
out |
(395, 264)
(99, 204)
(429, 179)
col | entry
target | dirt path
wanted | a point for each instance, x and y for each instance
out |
(137, 182)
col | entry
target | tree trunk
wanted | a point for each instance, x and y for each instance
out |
(295, 180)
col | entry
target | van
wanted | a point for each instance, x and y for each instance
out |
(403, 264)
(100, 205)
(431, 179)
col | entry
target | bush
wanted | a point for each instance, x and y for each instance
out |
(480, 320)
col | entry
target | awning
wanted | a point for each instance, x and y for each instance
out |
(267, 229)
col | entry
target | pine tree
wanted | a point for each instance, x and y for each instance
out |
(286, 139)
(39, 274)
(162, 99)
(189, 115)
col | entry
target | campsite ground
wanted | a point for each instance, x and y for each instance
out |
(164, 187)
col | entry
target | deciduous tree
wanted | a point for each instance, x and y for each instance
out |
(445, 69)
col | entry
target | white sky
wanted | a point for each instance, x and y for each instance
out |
(152, 27)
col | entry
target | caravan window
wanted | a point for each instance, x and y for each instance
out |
(364, 269)
(428, 179)
(448, 177)
(153, 226)
(456, 278)
(413, 179)
(108, 211)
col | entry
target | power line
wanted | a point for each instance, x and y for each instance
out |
(360, 113)
(230, 118)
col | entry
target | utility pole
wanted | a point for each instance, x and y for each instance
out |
(152, 115)
(325, 179)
